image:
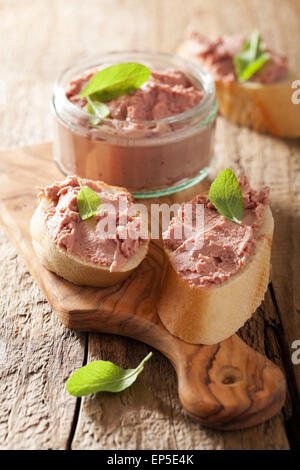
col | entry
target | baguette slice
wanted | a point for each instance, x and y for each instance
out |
(207, 316)
(265, 108)
(71, 267)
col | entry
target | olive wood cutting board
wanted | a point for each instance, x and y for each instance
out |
(223, 386)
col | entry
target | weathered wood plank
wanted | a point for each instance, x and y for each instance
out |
(52, 44)
(37, 355)
(146, 416)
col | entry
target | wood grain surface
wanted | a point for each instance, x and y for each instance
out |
(37, 353)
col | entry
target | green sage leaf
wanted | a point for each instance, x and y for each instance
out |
(226, 195)
(98, 109)
(251, 58)
(102, 376)
(116, 80)
(89, 202)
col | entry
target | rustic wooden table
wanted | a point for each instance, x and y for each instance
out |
(37, 354)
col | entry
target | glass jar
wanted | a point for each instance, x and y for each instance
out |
(149, 158)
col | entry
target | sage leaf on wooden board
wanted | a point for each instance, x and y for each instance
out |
(103, 376)
(89, 202)
(226, 195)
(116, 80)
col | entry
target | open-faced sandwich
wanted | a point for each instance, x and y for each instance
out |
(219, 248)
(253, 82)
(88, 232)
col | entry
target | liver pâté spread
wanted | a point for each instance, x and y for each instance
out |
(226, 245)
(86, 238)
(217, 55)
(163, 95)
(154, 140)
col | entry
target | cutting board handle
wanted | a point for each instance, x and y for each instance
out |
(225, 386)
(229, 385)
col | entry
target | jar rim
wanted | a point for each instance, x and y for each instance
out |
(205, 79)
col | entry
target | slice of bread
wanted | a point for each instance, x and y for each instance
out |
(72, 267)
(209, 315)
(265, 108)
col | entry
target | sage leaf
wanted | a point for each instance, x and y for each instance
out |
(116, 80)
(89, 202)
(226, 195)
(102, 376)
(98, 109)
(251, 58)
